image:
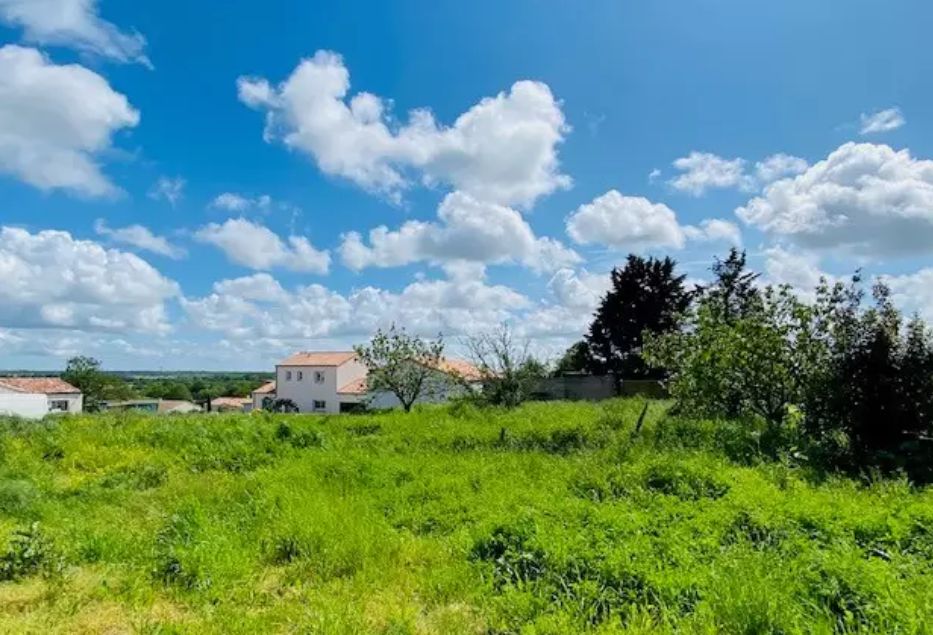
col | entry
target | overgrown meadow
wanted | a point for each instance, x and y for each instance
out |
(550, 518)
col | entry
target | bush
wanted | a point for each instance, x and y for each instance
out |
(29, 551)
(848, 385)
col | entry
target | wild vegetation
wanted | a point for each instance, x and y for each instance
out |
(545, 518)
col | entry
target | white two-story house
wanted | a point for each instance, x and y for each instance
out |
(335, 381)
(328, 382)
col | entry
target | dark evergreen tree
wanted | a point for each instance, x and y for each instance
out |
(733, 293)
(646, 295)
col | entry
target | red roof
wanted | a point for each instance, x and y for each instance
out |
(355, 387)
(229, 402)
(44, 385)
(266, 388)
(318, 358)
(461, 368)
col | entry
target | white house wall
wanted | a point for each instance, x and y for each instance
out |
(26, 405)
(439, 389)
(75, 401)
(306, 391)
(349, 371)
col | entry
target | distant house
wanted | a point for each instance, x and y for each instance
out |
(335, 381)
(35, 397)
(138, 405)
(267, 390)
(230, 404)
(177, 406)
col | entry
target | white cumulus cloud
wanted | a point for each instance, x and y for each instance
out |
(76, 24)
(702, 171)
(913, 292)
(779, 166)
(256, 246)
(881, 121)
(713, 230)
(630, 222)
(503, 149)
(469, 230)
(868, 199)
(258, 308)
(140, 237)
(51, 279)
(54, 120)
(579, 289)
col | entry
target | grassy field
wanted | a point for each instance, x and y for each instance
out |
(553, 518)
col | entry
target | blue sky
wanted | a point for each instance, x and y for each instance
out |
(561, 137)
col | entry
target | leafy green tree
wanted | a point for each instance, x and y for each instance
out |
(733, 294)
(84, 374)
(647, 296)
(727, 365)
(574, 359)
(402, 364)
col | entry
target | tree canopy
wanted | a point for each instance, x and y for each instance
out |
(646, 296)
(401, 364)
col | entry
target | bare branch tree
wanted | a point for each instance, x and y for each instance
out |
(509, 372)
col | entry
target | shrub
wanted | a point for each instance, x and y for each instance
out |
(16, 496)
(29, 551)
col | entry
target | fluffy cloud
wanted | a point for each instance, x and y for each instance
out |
(140, 237)
(503, 149)
(868, 199)
(170, 190)
(53, 280)
(715, 230)
(579, 289)
(73, 23)
(630, 222)
(778, 166)
(913, 292)
(233, 202)
(882, 121)
(54, 119)
(258, 308)
(257, 247)
(469, 230)
(799, 270)
(702, 171)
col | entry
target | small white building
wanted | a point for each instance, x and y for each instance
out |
(35, 397)
(335, 381)
(266, 391)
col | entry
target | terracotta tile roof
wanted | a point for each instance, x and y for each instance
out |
(229, 402)
(318, 358)
(168, 405)
(460, 367)
(265, 389)
(355, 387)
(45, 385)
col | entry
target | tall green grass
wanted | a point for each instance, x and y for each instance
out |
(551, 518)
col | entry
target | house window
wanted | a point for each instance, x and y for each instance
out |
(59, 405)
(288, 375)
(318, 377)
(319, 405)
(300, 375)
